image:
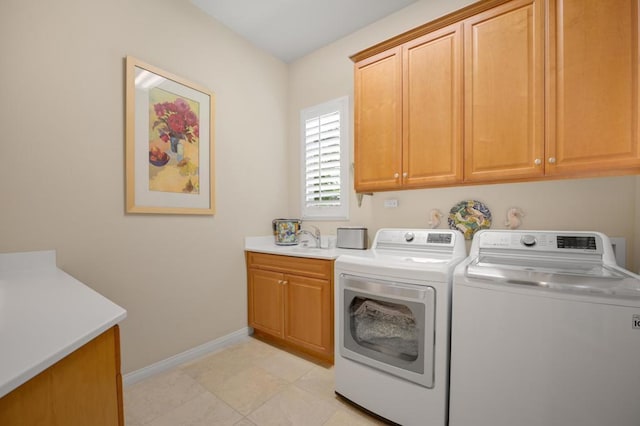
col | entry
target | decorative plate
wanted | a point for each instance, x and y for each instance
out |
(469, 217)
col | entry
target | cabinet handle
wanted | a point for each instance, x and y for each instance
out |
(552, 160)
(405, 174)
(537, 162)
(285, 282)
(396, 175)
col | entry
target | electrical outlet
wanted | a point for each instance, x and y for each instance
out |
(391, 204)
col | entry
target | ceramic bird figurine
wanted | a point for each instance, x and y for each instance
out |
(514, 218)
(435, 216)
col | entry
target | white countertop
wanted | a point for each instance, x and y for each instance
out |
(267, 245)
(45, 314)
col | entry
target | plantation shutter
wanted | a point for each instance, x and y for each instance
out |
(322, 161)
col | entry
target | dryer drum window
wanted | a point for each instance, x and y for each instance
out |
(385, 327)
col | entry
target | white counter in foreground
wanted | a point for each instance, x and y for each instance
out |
(267, 245)
(45, 314)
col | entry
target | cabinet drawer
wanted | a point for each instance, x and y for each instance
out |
(317, 268)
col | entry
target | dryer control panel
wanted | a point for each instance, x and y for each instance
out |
(447, 242)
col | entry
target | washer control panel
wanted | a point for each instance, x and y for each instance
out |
(577, 242)
(541, 241)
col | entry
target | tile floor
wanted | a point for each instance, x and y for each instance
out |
(248, 383)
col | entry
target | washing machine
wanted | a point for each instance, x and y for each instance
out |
(545, 332)
(392, 308)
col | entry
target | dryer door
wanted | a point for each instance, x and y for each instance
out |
(389, 326)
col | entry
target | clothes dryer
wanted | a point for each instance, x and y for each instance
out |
(392, 324)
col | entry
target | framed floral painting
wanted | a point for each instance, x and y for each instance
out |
(169, 143)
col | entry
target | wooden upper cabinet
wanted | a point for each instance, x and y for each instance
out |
(504, 92)
(378, 122)
(409, 114)
(501, 91)
(592, 92)
(432, 108)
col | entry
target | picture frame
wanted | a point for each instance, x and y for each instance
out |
(169, 152)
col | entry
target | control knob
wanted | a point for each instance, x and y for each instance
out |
(528, 240)
(409, 237)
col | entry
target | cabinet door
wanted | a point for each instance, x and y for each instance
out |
(432, 108)
(266, 301)
(592, 86)
(84, 388)
(378, 122)
(309, 313)
(504, 90)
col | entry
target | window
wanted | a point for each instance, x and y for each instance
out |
(325, 160)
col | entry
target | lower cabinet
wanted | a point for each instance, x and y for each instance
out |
(290, 301)
(84, 388)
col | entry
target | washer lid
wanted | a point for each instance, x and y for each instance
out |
(555, 274)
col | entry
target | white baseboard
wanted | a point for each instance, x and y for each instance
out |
(181, 358)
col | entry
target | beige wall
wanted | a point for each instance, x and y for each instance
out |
(607, 205)
(181, 278)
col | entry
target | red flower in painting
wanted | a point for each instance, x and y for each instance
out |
(176, 123)
(191, 118)
(181, 106)
(176, 120)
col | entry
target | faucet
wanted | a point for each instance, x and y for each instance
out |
(315, 235)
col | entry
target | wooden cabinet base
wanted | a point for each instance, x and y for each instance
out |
(84, 388)
(290, 300)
